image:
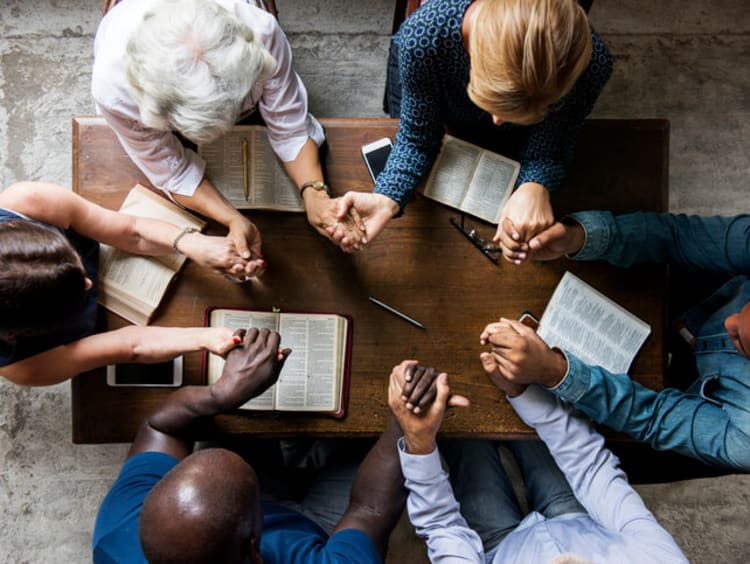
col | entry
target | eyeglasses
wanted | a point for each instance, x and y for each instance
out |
(488, 248)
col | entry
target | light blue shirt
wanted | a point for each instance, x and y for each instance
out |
(617, 528)
(711, 420)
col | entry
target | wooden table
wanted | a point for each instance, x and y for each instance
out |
(420, 264)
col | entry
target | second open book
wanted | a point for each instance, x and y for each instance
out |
(585, 322)
(315, 377)
(472, 179)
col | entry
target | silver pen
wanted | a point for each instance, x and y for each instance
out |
(397, 312)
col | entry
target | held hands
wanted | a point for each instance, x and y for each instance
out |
(519, 357)
(322, 215)
(250, 369)
(526, 213)
(557, 241)
(245, 237)
(375, 211)
(418, 397)
(220, 254)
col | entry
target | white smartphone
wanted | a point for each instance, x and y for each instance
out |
(376, 155)
(161, 374)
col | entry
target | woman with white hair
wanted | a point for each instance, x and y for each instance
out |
(196, 67)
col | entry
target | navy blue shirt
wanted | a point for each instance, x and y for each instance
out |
(288, 536)
(434, 72)
(79, 324)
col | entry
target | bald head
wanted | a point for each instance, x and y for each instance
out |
(206, 508)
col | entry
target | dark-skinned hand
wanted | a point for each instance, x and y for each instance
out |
(250, 369)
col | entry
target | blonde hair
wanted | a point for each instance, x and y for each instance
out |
(526, 55)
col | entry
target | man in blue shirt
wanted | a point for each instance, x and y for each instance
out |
(710, 420)
(171, 505)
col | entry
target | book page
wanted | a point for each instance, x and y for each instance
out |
(243, 167)
(272, 187)
(451, 174)
(228, 164)
(594, 328)
(242, 319)
(310, 379)
(490, 187)
(143, 279)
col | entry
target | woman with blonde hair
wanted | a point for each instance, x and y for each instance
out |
(49, 252)
(524, 73)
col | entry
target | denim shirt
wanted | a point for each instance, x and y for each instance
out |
(711, 420)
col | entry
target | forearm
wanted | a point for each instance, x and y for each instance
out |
(208, 201)
(170, 429)
(720, 244)
(378, 493)
(667, 420)
(306, 167)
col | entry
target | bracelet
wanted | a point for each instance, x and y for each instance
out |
(184, 232)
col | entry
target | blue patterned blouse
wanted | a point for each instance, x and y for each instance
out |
(434, 72)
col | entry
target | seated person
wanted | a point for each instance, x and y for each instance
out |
(709, 421)
(196, 67)
(49, 258)
(524, 73)
(169, 505)
(615, 525)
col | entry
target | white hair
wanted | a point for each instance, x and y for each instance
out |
(191, 64)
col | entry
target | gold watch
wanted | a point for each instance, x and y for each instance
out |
(318, 185)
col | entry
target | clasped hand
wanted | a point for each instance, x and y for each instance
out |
(418, 397)
(250, 369)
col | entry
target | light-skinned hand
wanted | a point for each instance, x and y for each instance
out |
(374, 211)
(527, 212)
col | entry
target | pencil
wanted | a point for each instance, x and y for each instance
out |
(397, 312)
(245, 175)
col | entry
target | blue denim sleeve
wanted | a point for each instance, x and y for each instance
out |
(716, 244)
(667, 420)
(550, 145)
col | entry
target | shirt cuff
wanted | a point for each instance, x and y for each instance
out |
(576, 381)
(187, 182)
(596, 226)
(419, 467)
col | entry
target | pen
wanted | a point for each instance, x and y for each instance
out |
(245, 176)
(397, 312)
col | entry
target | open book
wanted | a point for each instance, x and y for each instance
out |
(315, 377)
(585, 322)
(472, 179)
(132, 285)
(243, 167)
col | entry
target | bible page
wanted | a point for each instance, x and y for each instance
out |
(594, 328)
(310, 378)
(452, 172)
(142, 279)
(272, 187)
(491, 185)
(228, 165)
(242, 319)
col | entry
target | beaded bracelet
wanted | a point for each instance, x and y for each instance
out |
(184, 232)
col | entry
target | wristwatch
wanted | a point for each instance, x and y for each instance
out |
(318, 185)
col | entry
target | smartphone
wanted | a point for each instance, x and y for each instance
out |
(528, 319)
(161, 374)
(376, 155)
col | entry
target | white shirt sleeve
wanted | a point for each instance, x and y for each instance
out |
(283, 101)
(434, 511)
(594, 474)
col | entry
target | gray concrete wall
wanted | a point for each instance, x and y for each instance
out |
(682, 60)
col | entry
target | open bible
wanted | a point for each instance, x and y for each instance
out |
(471, 179)
(244, 168)
(590, 325)
(315, 377)
(132, 286)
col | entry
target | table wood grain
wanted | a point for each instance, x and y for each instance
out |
(420, 265)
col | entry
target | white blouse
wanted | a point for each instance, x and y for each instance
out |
(281, 100)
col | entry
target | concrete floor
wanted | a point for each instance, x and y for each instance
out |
(682, 60)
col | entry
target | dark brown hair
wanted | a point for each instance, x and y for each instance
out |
(42, 280)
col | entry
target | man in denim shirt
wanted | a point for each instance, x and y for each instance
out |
(709, 421)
